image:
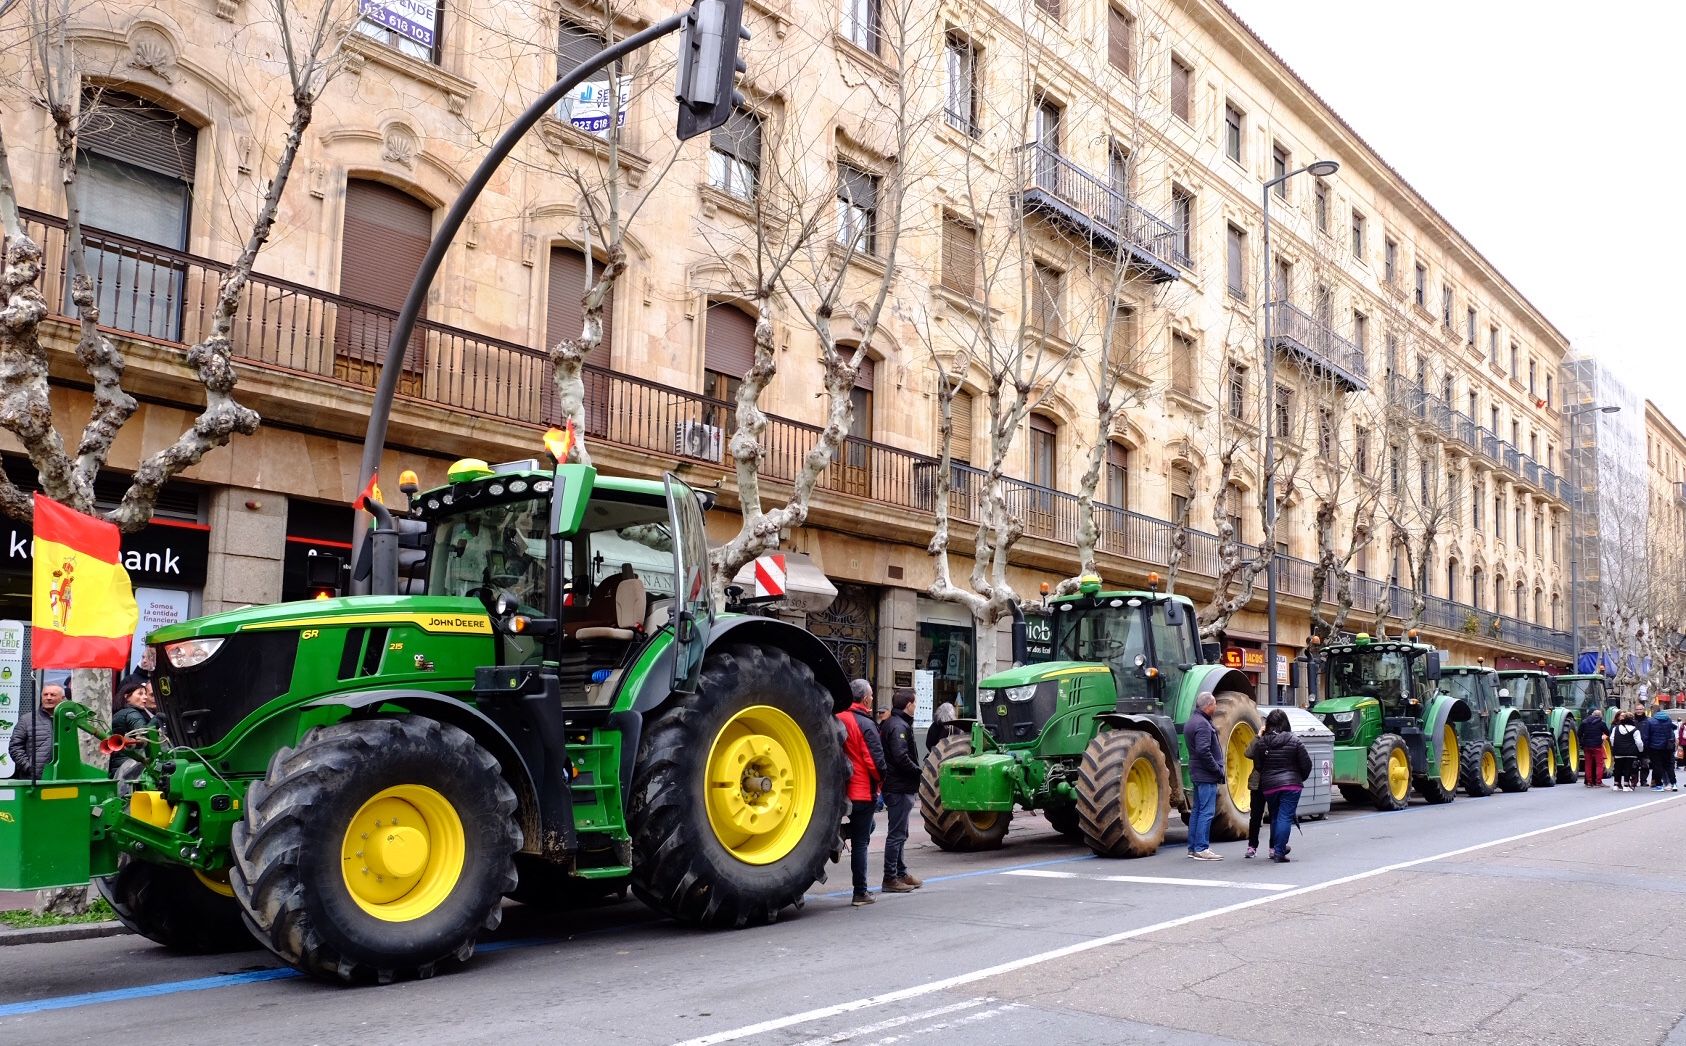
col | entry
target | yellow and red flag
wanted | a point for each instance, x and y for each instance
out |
(84, 609)
(560, 442)
(372, 492)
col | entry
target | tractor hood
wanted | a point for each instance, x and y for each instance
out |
(1332, 705)
(1024, 675)
(448, 614)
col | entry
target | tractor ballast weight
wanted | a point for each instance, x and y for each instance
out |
(1394, 729)
(554, 710)
(1093, 738)
(1551, 721)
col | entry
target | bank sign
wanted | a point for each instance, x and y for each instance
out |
(411, 19)
(170, 555)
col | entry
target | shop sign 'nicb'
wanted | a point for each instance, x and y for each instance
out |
(162, 554)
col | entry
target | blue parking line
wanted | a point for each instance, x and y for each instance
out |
(145, 991)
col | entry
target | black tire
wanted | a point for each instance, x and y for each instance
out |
(171, 906)
(1512, 775)
(1356, 795)
(1475, 780)
(1433, 786)
(1385, 793)
(548, 887)
(1568, 748)
(1545, 761)
(1064, 820)
(680, 866)
(957, 831)
(1235, 712)
(1103, 802)
(289, 872)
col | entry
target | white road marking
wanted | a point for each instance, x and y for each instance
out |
(1151, 880)
(895, 1022)
(917, 990)
(928, 1029)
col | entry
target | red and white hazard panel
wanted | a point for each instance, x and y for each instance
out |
(769, 576)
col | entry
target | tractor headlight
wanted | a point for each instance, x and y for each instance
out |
(1020, 693)
(190, 652)
(1344, 717)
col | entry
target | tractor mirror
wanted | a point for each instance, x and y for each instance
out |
(1431, 666)
(1173, 613)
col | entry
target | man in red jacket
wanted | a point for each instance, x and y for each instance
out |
(866, 779)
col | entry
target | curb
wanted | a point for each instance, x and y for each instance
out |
(71, 932)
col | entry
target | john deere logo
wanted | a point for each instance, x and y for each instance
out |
(1001, 710)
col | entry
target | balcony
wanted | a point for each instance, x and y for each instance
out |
(1072, 197)
(1680, 493)
(1463, 429)
(1314, 341)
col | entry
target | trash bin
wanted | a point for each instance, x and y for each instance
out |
(1319, 743)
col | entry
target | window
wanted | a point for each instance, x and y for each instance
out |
(386, 232)
(1474, 405)
(1515, 357)
(960, 106)
(1233, 121)
(734, 155)
(1048, 115)
(1282, 288)
(1118, 475)
(960, 256)
(1446, 391)
(1236, 391)
(1118, 171)
(960, 422)
(1279, 170)
(1422, 482)
(1046, 296)
(410, 28)
(1516, 529)
(1446, 305)
(1360, 332)
(1049, 7)
(1477, 494)
(728, 353)
(1469, 326)
(1495, 417)
(857, 208)
(1548, 390)
(1421, 291)
(1539, 535)
(1499, 514)
(1320, 205)
(1390, 261)
(576, 45)
(1477, 587)
(1395, 466)
(1554, 541)
(1044, 440)
(1452, 579)
(1237, 253)
(1185, 363)
(1493, 345)
(1181, 76)
(1361, 449)
(1182, 493)
(1357, 235)
(1284, 412)
(1531, 373)
(1182, 223)
(862, 22)
(1121, 40)
(1124, 348)
(1326, 434)
(1516, 606)
(1392, 360)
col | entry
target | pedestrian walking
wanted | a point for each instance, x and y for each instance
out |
(136, 711)
(1593, 731)
(1659, 751)
(901, 786)
(1206, 770)
(866, 776)
(1284, 764)
(31, 746)
(1625, 750)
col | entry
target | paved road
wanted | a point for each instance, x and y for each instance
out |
(1519, 918)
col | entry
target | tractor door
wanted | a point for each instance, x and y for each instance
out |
(693, 601)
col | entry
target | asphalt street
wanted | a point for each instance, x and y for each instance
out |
(1547, 917)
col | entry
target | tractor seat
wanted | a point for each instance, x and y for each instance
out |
(616, 610)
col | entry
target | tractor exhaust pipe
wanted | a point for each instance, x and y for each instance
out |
(1021, 643)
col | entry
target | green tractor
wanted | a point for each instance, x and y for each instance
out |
(1496, 752)
(553, 711)
(1093, 738)
(1557, 742)
(1393, 728)
(1585, 695)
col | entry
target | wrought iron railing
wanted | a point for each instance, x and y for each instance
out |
(1095, 200)
(1316, 336)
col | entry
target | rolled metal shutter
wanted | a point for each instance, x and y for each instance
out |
(961, 415)
(384, 238)
(138, 132)
(564, 318)
(728, 340)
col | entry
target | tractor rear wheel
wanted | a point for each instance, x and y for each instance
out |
(1440, 784)
(1124, 794)
(1388, 768)
(957, 831)
(1545, 761)
(1237, 721)
(181, 908)
(1569, 767)
(1065, 820)
(1357, 795)
(1480, 769)
(376, 849)
(1516, 759)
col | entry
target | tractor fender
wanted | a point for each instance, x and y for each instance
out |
(1443, 710)
(1163, 731)
(1207, 679)
(763, 631)
(466, 718)
(1556, 719)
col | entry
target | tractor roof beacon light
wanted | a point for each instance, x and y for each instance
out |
(1153, 582)
(409, 482)
(1361, 639)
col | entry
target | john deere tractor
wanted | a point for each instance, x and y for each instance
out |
(1496, 750)
(553, 709)
(1093, 738)
(1557, 742)
(1393, 728)
(1586, 695)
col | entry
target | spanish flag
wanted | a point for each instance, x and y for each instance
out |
(372, 492)
(85, 614)
(560, 442)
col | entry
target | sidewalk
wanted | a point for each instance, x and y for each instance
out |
(12, 900)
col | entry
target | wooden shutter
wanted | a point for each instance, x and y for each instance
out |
(564, 317)
(961, 417)
(960, 257)
(1117, 475)
(728, 340)
(865, 377)
(1179, 89)
(136, 131)
(383, 241)
(1118, 39)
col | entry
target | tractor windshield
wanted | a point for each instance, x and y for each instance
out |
(1479, 690)
(1581, 695)
(1386, 675)
(496, 546)
(1113, 633)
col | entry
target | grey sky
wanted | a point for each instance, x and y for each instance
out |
(1547, 133)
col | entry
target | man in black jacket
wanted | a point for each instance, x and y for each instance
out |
(1594, 732)
(901, 786)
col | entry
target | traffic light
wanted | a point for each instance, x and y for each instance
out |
(709, 64)
(322, 574)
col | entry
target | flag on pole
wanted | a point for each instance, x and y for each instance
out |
(84, 608)
(560, 442)
(372, 492)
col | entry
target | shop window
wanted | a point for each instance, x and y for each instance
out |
(949, 653)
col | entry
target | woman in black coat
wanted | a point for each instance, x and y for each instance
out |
(1283, 765)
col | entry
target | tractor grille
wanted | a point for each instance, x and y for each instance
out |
(202, 704)
(1346, 731)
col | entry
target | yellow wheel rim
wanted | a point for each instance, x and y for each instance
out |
(403, 852)
(983, 820)
(1574, 747)
(761, 785)
(1524, 756)
(1398, 774)
(1141, 797)
(1237, 767)
(216, 882)
(1449, 759)
(1489, 768)
(1551, 759)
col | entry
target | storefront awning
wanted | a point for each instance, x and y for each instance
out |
(806, 587)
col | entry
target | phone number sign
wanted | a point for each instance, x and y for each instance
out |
(411, 19)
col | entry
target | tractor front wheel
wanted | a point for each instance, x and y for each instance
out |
(1569, 767)
(1480, 769)
(1516, 758)
(739, 790)
(377, 849)
(957, 831)
(1545, 761)
(182, 909)
(1124, 794)
(1389, 772)
(1237, 721)
(1440, 784)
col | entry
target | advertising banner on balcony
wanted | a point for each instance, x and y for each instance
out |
(411, 19)
(587, 106)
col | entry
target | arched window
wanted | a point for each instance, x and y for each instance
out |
(1044, 462)
(1452, 579)
(1554, 612)
(1117, 493)
(382, 242)
(728, 349)
(1520, 607)
(1538, 606)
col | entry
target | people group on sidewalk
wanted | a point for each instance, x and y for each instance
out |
(883, 763)
(1657, 731)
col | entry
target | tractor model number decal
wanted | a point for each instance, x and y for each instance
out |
(310, 633)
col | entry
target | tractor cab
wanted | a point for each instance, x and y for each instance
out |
(1531, 694)
(1395, 678)
(1479, 688)
(1147, 642)
(1582, 694)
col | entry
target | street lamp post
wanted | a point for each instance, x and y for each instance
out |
(1317, 169)
(1575, 527)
